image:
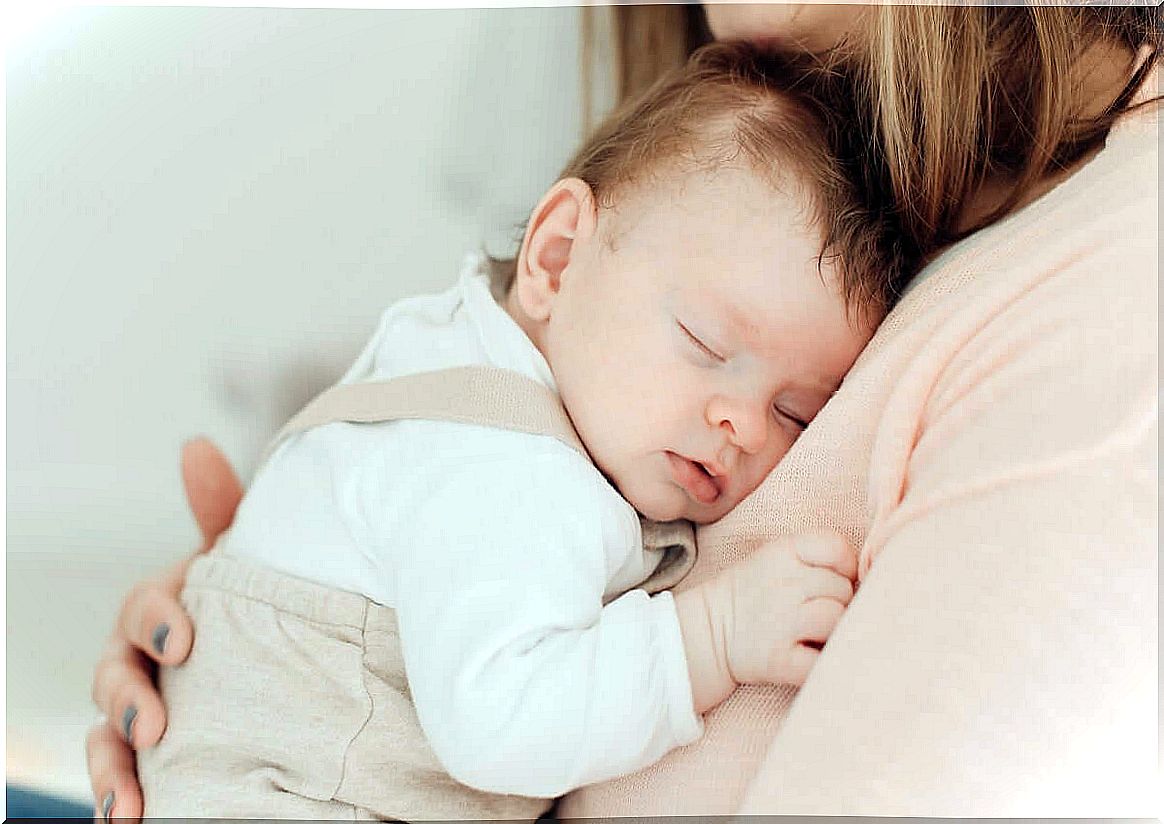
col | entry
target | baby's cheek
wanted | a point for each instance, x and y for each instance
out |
(760, 472)
(771, 462)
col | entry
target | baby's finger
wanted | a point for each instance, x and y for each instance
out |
(828, 550)
(823, 582)
(112, 774)
(153, 620)
(817, 619)
(124, 691)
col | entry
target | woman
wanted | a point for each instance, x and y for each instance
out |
(992, 453)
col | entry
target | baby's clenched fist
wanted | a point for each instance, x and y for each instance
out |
(777, 607)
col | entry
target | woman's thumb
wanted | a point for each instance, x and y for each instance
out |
(213, 489)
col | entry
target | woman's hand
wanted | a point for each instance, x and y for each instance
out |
(152, 629)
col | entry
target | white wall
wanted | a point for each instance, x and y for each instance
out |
(207, 209)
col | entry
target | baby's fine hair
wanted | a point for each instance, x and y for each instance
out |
(733, 102)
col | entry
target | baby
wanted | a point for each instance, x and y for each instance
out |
(440, 616)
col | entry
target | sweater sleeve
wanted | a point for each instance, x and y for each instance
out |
(523, 682)
(1000, 657)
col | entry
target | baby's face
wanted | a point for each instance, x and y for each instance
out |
(693, 338)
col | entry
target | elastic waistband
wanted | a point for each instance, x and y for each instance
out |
(297, 596)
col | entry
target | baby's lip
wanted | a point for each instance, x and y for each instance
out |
(713, 467)
(694, 478)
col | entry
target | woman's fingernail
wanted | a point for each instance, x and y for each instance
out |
(107, 806)
(127, 719)
(161, 633)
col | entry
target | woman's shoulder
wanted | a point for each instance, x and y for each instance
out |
(1097, 230)
(1072, 278)
(1027, 340)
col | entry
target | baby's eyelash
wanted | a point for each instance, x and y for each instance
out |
(702, 346)
(803, 424)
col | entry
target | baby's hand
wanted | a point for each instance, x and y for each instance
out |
(779, 605)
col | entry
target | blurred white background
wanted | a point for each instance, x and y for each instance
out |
(207, 210)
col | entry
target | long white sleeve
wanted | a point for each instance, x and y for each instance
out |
(523, 681)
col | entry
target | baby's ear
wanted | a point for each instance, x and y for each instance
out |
(565, 217)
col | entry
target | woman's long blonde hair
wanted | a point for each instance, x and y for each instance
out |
(937, 98)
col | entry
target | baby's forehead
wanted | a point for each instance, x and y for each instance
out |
(698, 197)
(691, 177)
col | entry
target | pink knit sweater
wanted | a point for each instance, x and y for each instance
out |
(994, 455)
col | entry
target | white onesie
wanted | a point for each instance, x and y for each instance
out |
(497, 550)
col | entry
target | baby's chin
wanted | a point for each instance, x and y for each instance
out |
(701, 514)
(706, 517)
(654, 507)
(677, 507)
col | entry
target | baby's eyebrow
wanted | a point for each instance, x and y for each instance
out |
(827, 387)
(741, 326)
(738, 320)
(735, 315)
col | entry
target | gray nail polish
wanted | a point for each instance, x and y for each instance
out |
(107, 806)
(127, 719)
(161, 633)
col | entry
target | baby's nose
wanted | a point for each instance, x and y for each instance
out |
(746, 425)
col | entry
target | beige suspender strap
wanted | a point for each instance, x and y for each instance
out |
(482, 395)
(676, 541)
(485, 396)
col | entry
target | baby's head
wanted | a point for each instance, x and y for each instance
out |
(700, 279)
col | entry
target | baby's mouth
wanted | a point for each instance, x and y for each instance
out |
(718, 476)
(695, 478)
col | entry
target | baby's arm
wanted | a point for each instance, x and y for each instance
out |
(523, 682)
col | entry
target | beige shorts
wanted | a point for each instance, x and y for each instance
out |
(294, 704)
